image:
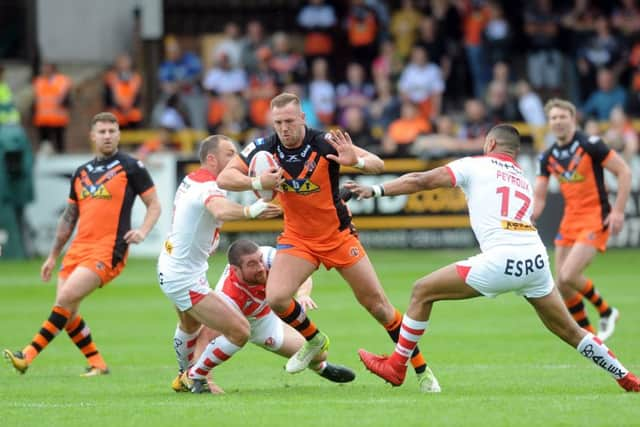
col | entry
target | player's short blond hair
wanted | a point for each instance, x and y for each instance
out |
(104, 116)
(209, 145)
(559, 103)
(283, 99)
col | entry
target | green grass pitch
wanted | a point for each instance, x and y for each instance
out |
(495, 362)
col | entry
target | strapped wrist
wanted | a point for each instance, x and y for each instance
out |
(256, 184)
(377, 190)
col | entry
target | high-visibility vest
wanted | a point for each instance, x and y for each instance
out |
(124, 94)
(49, 97)
(8, 112)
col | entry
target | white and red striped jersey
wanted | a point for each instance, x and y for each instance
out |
(500, 200)
(195, 233)
(250, 299)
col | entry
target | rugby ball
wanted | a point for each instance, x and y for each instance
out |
(262, 162)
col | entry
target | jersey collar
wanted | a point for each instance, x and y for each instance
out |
(503, 157)
(202, 175)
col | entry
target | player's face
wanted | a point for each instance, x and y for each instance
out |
(252, 269)
(288, 122)
(105, 136)
(561, 123)
(225, 152)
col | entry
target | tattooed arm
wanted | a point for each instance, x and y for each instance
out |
(66, 224)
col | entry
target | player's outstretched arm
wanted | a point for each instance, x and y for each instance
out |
(616, 165)
(406, 184)
(151, 201)
(226, 210)
(351, 155)
(66, 224)
(234, 178)
(539, 197)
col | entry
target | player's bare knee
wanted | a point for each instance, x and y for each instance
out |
(566, 279)
(378, 306)
(278, 303)
(239, 334)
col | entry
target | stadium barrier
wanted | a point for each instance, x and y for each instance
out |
(434, 219)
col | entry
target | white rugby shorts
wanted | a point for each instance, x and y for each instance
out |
(521, 269)
(266, 331)
(183, 291)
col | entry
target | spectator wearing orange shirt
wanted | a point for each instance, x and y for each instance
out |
(403, 132)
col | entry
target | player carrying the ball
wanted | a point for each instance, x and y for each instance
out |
(317, 226)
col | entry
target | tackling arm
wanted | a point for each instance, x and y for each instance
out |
(539, 197)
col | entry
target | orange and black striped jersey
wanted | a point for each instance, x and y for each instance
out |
(104, 191)
(313, 209)
(578, 168)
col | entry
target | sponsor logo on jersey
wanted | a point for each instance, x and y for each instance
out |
(570, 177)
(516, 226)
(94, 192)
(300, 186)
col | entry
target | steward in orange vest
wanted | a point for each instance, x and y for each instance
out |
(51, 92)
(51, 102)
(123, 93)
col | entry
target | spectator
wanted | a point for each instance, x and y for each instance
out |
(475, 15)
(387, 65)
(252, 43)
(500, 106)
(609, 94)
(602, 50)
(180, 74)
(262, 87)
(123, 93)
(355, 91)
(475, 124)
(621, 136)
(497, 35)
(402, 132)
(363, 29)
(436, 50)
(224, 77)
(231, 45)
(530, 105)
(421, 83)
(355, 124)
(317, 19)
(626, 19)
(404, 27)
(322, 92)
(288, 65)
(544, 60)
(51, 104)
(384, 108)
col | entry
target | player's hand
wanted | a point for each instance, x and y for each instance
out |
(341, 141)
(272, 180)
(307, 302)
(615, 221)
(362, 191)
(134, 236)
(271, 211)
(47, 269)
(263, 210)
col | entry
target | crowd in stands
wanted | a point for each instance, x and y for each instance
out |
(404, 77)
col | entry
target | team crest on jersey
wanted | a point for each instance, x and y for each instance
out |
(570, 177)
(310, 165)
(300, 186)
(354, 251)
(95, 192)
